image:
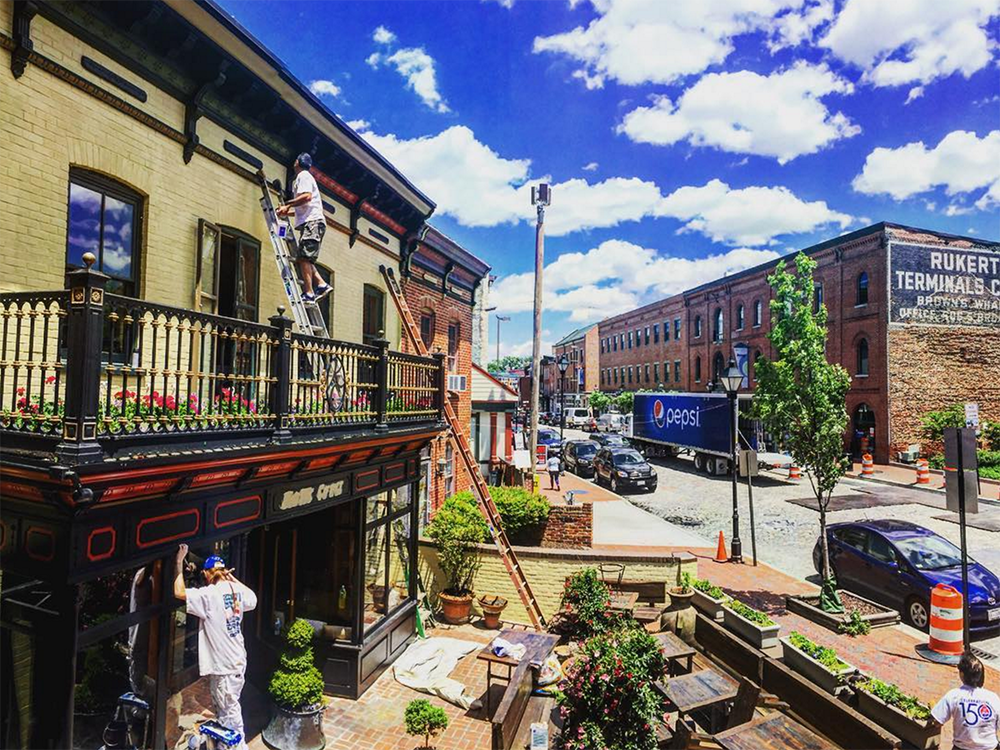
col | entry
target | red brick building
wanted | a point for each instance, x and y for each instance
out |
(581, 349)
(913, 315)
(442, 283)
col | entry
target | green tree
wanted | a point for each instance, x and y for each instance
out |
(458, 528)
(800, 396)
(624, 401)
(423, 718)
(599, 401)
(507, 363)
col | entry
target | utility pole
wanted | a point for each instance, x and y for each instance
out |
(541, 196)
(504, 318)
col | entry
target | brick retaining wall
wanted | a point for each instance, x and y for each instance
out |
(569, 527)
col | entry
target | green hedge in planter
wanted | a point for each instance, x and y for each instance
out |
(296, 684)
(893, 696)
(825, 656)
(708, 588)
(749, 613)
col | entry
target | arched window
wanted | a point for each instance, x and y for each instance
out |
(697, 326)
(817, 296)
(697, 369)
(862, 298)
(756, 359)
(717, 325)
(758, 313)
(862, 358)
(718, 366)
(427, 328)
(739, 317)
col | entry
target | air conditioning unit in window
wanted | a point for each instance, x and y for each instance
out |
(458, 383)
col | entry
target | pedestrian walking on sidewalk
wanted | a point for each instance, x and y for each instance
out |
(222, 655)
(554, 467)
(973, 710)
(309, 220)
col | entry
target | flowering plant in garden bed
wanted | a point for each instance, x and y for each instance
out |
(825, 656)
(749, 613)
(400, 404)
(129, 411)
(707, 587)
(588, 600)
(607, 702)
(893, 696)
(32, 414)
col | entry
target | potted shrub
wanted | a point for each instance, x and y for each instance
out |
(492, 606)
(751, 624)
(296, 689)
(607, 699)
(523, 514)
(682, 593)
(708, 598)
(586, 604)
(902, 714)
(458, 528)
(821, 665)
(423, 719)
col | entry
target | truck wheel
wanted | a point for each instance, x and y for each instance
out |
(699, 462)
(614, 485)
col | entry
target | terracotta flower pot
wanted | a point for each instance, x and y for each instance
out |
(492, 607)
(456, 609)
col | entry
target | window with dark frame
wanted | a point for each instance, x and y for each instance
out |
(677, 371)
(656, 333)
(758, 313)
(677, 329)
(427, 329)
(697, 326)
(697, 369)
(862, 295)
(817, 296)
(373, 314)
(453, 338)
(717, 325)
(862, 369)
(739, 317)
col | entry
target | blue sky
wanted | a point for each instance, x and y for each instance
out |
(683, 138)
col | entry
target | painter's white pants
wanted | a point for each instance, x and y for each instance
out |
(226, 689)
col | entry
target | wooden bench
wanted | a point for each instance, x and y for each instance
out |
(518, 710)
(652, 594)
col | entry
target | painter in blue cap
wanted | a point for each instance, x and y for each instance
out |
(222, 655)
(309, 220)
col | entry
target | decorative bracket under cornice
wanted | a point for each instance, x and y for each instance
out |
(193, 110)
(24, 12)
(448, 271)
(356, 214)
(409, 249)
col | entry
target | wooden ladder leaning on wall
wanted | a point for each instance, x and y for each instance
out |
(480, 488)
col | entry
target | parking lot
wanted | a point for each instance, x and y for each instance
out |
(786, 521)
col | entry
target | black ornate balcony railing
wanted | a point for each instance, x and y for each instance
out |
(84, 372)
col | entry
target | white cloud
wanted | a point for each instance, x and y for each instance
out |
(778, 115)
(382, 35)
(961, 163)
(616, 276)
(913, 41)
(324, 88)
(660, 41)
(915, 93)
(357, 124)
(413, 64)
(524, 349)
(590, 166)
(798, 25)
(504, 3)
(747, 216)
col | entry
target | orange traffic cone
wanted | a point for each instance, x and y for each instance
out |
(720, 553)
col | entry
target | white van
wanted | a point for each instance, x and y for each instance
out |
(610, 422)
(578, 416)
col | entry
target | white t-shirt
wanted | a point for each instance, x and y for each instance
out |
(220, 631)
(974, 713)
(553, 464)
(313, 210)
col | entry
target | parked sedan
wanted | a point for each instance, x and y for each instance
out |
(898, 563)
(550, 438)
(578, 457)
(609, 440)
(624, 469)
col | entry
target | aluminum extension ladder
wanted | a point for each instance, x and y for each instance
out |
(307, 315)
(486, 504)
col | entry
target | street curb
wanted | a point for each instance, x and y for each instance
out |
(930, 490)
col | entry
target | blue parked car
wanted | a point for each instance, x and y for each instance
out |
(898, 563)
(551, 439)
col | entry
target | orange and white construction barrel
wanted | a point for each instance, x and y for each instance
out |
(793, 473)
(923, 471)
(867, 465)
(946, 621)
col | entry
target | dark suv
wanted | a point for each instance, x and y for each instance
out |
(578, 457)
(624, 469)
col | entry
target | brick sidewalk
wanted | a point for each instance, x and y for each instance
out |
(569, 481)
(906, 476)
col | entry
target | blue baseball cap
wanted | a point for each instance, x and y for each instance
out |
(305, 160)
(214, 562)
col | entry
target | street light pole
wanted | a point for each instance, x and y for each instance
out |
(563, 364)
(504, 318)
(732, 379)
(541, 196)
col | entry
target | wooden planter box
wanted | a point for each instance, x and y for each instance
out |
(762, 638)
(805, 665)
(799, 606)
(920, 734)
(711, 608)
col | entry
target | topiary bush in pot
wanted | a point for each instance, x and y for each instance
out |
(458, 528)
(296, 687)
(422, 719)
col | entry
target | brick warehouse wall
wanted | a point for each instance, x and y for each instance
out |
(569, 527)
(48, 125)
(546, 571)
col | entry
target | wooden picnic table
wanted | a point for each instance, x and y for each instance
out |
(674, 649)
(704, 689)
(774, 732)
(537, 647)
(624, 601)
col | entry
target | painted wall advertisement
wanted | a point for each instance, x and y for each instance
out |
(943, 286)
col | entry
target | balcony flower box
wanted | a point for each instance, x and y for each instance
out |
(762, 635)
(833, 681)
(912, 723)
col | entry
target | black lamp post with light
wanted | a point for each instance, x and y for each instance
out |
(563, 364)
(732, 379)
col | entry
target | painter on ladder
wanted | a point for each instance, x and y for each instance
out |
(222, 655)
(311, 224)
